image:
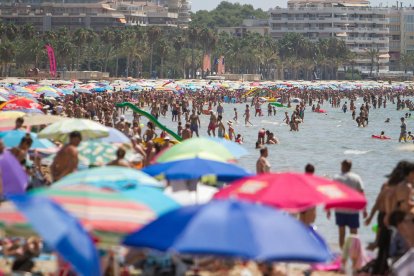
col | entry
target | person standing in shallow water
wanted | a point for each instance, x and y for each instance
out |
(345, 217)
(262, 164)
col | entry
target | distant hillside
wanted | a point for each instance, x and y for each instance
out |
(226, 14)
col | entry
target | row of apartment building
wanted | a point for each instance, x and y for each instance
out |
(390, 30)
(95, 14)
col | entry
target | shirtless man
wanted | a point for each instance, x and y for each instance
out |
(212, 125)
(66, 160)
(262, 164)
(120, 159)
(21, 152)
(194, 124)
(187, 133)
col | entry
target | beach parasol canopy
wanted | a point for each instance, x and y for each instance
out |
(115, 136)
(190, 193)
(29, 119)
(153, 197)
(236, 149)
(21, 104)
(92, 153)
(117, 177)
(196, 168)
(58, 229)
(14, 178)
(60, 130)
(12, 138)
(232, 229)
(294, 192)
(196, 148)
(5, 115)
(101, 210)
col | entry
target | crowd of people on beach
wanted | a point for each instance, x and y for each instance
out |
(394, 205)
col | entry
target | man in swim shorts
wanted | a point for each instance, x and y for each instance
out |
(194, 123)
(346, 217)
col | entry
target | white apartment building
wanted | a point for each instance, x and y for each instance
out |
(360, 26)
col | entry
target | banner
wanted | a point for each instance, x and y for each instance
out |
(52, 60)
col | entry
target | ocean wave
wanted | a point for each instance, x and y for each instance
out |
(356, 152)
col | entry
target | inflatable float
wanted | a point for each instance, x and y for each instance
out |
(380, 138)
(152, 119)
(277, 104)
(321, 111)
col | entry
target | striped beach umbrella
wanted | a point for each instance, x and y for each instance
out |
(107, 214)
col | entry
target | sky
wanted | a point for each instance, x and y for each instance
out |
(264, 4)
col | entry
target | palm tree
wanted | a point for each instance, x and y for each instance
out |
(406, 60)
(154, 34)
(7, 54)
(107, 37)
(163, 50)
(80, 37)
(193, 37)
(373, 55)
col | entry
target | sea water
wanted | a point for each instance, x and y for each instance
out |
(323, 140)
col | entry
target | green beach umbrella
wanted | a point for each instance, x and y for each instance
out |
(196, 148)
(91, 153)
(60, 130)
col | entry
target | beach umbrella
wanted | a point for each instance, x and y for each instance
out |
(83, 90)
(30, 119)
(11, 138)
(92, 153)
(196, 148)
(21, 104)
(117, 177)
(236, 149)
(196, 168)
(232, 229)
(58, 229)
(115, 136)
(61, 130)
(153, 197)
(294, 192)
(100, 210)
(44, 89)
(182, 192)
(404, 265)
(4, 115)
(14, 178)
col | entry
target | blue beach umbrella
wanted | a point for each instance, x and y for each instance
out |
(118, 177)
(232, 229)
(234, 148)
(152, 197)
(115, 136)
(12, 138)
(60, 231)
(196, 168)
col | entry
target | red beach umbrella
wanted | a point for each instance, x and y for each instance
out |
(294, 192)
(20, 104)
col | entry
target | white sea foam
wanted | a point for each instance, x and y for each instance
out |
(356, 152)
